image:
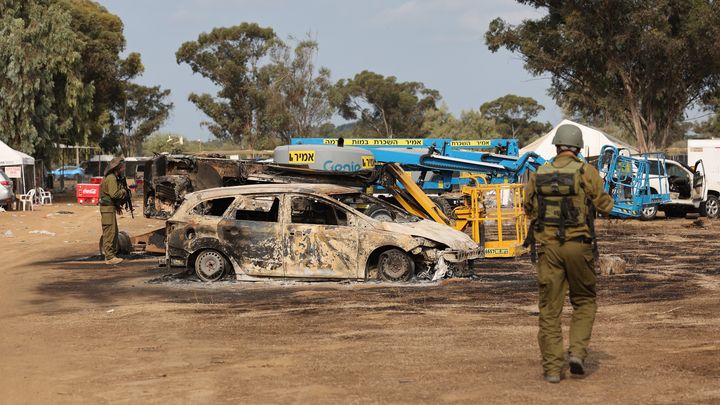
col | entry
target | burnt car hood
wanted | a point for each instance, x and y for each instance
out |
(433, 231)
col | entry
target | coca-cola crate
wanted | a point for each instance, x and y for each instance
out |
(87, 193)
(96, 180)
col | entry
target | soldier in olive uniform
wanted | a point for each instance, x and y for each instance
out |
(561, 199)
(112, 196)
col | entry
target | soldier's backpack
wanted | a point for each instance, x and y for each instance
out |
(561, 199)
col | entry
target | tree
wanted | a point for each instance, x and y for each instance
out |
(164, 142)
(642, 63)
(471, 124)
(296, 93)
(383, 104)
(229, 57)
(101, 32)
(43, 99)
(513, 116)
(144, 111)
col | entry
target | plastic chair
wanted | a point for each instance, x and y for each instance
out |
(28, 198)
(44, 196)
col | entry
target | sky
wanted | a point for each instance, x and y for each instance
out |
(437, 42)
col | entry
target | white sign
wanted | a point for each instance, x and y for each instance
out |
(14, 172)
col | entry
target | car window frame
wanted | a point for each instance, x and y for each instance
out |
(230, 214)
(349, 212)
(190, 212)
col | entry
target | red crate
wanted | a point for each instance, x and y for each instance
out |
(96, 180)
(87, 193)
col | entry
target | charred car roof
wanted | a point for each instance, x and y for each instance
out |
(308, 188)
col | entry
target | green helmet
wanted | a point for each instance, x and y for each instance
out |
(568, 135)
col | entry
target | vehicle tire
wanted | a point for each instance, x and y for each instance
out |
(711, 207)
(444, 206)
(376, 211)
(77, 178)
(211, 265)
(648, 213)
(123, 246)
(395, 265)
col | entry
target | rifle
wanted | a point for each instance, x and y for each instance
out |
(127, 202)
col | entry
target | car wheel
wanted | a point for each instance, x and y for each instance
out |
(395, 265)
(711, 207)
(376, 211)
(210, 265)
(649, 212)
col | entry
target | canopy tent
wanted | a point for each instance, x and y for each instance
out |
(593, 139)
(12, 161)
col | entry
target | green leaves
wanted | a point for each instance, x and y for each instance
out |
(384, 105)
(268, 91)
(144, 112)
(641, 63)
(43, 98)
(229, 58)
(513, 116)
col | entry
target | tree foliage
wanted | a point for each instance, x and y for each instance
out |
(384, 105)
(513, 116)
(269, 91)
(62, 79)
(296, 92)
(101, 33)
(160, 142)
(229, 57)
(43, 98)
(642, 63)
(440, 123)
(145, 110)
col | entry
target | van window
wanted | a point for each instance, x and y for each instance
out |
(264, 208)
(675, 170)
(213, 208)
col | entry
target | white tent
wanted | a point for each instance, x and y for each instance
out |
(593, 139)
(11, 158)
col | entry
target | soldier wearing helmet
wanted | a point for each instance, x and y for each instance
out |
(561, 199)
(111, 199)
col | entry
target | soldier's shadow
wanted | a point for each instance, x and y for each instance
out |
(594, 361)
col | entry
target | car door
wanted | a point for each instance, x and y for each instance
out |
(252, 234)
(321, 239)
(199, 228)
(699, 191)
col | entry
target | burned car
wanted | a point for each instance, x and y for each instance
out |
(168, 178)
(309, 231)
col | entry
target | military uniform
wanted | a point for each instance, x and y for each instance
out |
(560, 199)
(112, 196)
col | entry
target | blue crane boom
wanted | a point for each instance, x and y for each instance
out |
(444, 159)
(444, 145)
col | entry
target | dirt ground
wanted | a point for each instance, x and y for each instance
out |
(73, 330)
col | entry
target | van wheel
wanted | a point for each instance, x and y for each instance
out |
(210, 265)
(395, 265)
(711, 207)
(649, 212)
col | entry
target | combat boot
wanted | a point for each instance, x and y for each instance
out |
(577, 367)
(114, 261)
(552, 378)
